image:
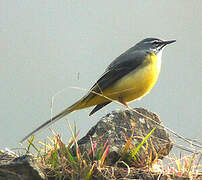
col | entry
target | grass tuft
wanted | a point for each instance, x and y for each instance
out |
(61, 161)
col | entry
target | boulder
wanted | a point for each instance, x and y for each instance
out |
(123, 131)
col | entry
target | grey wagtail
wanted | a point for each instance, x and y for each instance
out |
(129, 77)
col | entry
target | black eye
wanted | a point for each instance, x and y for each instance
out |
(155, 42)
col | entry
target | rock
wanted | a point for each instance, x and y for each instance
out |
(125, 130)
(15, 168)
(120, 131)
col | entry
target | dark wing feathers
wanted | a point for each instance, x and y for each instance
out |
(98, 107)
(121, 66)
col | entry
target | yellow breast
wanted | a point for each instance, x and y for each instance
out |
(132, 86)
(137, 83)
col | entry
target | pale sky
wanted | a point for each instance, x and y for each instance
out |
(47, 47)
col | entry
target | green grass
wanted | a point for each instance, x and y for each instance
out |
(58, 160)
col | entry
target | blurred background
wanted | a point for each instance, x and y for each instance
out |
(49, 47)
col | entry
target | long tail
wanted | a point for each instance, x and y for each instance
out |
(68, 110)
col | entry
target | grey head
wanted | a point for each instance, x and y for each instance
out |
(138, 52)
(152, 44)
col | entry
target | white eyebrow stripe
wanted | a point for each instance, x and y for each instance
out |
(151, 41)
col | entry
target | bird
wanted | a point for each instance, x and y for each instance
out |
(128, 77)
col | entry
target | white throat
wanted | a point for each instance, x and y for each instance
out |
(159, 56)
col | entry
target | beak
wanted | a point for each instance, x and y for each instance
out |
(164, 43)
(168, 42)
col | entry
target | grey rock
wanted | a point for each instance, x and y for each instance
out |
(19, 168)
(120, 127)
(121, 131)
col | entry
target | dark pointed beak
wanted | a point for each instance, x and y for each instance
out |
(168, 42)
(164, 43)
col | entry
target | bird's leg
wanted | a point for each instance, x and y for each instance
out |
(122, 102)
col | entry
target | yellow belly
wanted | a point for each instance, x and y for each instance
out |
(137, 83)
(133, 86)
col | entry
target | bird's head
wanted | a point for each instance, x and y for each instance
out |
(153, 44)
